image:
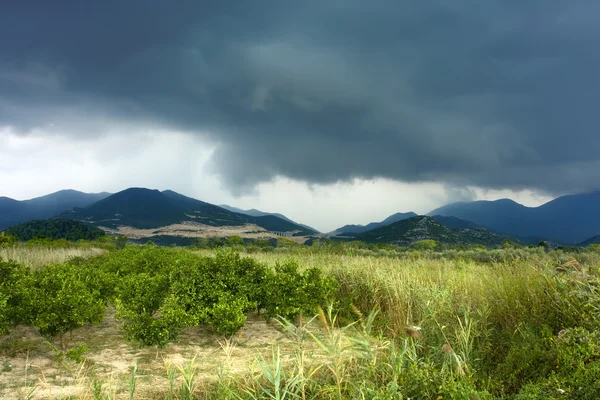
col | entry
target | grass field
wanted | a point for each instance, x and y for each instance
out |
(36, 257)
(477, 324)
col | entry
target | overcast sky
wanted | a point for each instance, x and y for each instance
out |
(331, 112)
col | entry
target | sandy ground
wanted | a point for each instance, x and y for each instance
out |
(28, 363)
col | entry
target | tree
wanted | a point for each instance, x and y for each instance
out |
(263, 243)
(594, 247)
(15, 281)
(289, 293)
(235, 240)
(507, 244)
(285, 242)
(425, 245)
(61, 302)
(7, 240)
(208, 243)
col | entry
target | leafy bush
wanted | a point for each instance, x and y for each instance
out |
(289, 293)
(15, 281)
(7, 239)
(227, 315)
(139, 299)
(577, 367)
(234, 240)
(4, 312)
(425, 245)
(60, 302)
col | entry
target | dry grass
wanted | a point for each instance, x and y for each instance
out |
(36, 256)
(29, 361)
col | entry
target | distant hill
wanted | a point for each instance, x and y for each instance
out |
(13, 212)
(55, 229)
(257, 213)
(455, 223)
(592, 240)
(348, 230)
(568, 219)
(146, 208)
(408, 231)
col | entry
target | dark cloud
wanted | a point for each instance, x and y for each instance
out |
(466, 92)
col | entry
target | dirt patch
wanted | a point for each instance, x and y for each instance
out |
(193, 230)
(28, 363)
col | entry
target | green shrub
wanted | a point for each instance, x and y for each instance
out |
(576, 371)
(235, 240)
(61, 302)
(227, 315)
(7, 240)
(4, 314)
(288, 293)
(15, 283)
(425, 245)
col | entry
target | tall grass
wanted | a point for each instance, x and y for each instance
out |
(470, 324)
(39, 256)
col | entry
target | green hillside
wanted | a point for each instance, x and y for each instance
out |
(408, 231)
(146, 209)
(592, 240)
(55, 229)
(14, 212)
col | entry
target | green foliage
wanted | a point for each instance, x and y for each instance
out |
(289, 293)
(60, 301)
(421, 227)
(594, 248)
(234, 240)
(142, 293)
(4, 313)
(576, 368)
(507, 244)
(530, 355)
(283, 242)
(74, 353)
(15, 281)
(425, 245)
(140, 298)
(161, 291)
(227, 315)
(510, 323)
(209, 243)
(54, 229)
(7, 239)
(149, 329)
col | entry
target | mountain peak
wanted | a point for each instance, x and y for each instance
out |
(356, 229)
(568, 219)
(149, 208)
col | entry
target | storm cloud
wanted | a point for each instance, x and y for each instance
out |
(499, 95)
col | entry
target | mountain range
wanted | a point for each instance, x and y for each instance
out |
(13, 211)
(569, 219)
(572, 219)
(146, 209)
(351, 230)
(253, 212)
